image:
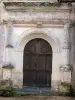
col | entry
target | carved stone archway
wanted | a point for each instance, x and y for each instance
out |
(37, 63)
(55, 44)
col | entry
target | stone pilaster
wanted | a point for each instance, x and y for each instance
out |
(8, 42)
(66, 44)
(7, 51)
(9, 35)
(66, 67)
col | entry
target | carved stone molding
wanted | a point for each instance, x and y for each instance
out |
(34, 24)
(51, 1)
(26, 4)
(35, 17)
(67, 45)
(8, 66)
(35, 6)
(9, 35)
(30, 1)
(66, 67)
(9, 46)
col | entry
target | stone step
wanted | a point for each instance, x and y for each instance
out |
(37, 90)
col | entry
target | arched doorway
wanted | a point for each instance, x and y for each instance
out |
(37, 63)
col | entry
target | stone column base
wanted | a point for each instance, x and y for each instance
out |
(66, 77)
(55, 85)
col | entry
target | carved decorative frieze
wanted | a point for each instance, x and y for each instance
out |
(35, 17)
(30, 4)
(34, 6)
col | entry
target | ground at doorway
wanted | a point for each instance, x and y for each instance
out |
(37, 98)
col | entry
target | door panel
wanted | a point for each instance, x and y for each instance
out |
(37, 64)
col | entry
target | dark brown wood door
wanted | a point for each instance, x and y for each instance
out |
(37, 64)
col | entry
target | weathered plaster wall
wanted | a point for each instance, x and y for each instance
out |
(21, 35)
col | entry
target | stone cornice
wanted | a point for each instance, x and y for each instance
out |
(36, 9)
(35, 6)
(30, 6)
(30, 1)
(52, 1)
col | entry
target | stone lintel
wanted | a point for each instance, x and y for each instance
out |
(44, 24)
(38, 26)
(37, 20)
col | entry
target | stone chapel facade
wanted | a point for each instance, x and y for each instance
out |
(37, 42)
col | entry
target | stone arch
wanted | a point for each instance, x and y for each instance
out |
(37, 63)
(36, 33)
(28, 35)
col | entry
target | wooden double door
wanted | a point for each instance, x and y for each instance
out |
(37, 63)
